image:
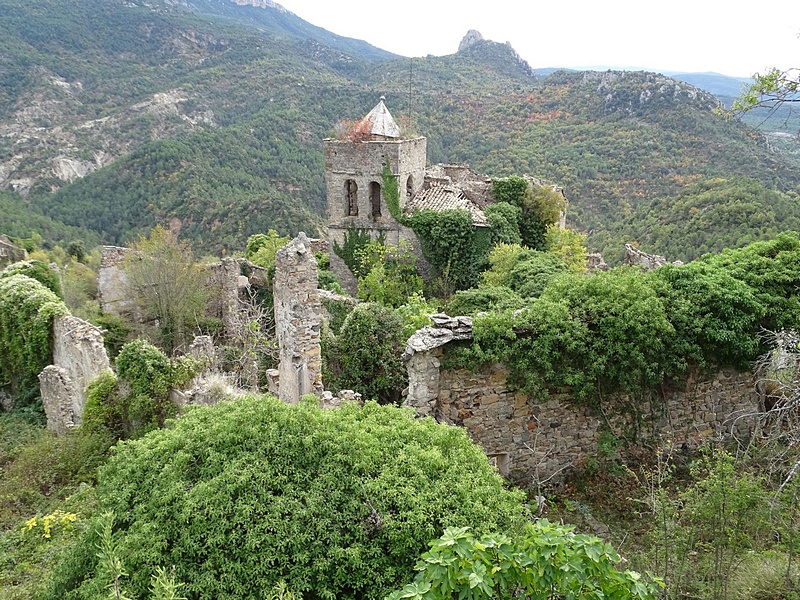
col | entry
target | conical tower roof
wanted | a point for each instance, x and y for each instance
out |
(380, 121)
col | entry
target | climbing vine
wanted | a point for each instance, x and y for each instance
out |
(354, 240)
(452, 245)
(27, 311)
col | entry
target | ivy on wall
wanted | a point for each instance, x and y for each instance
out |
(27, 311)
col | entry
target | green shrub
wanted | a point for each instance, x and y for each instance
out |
(531, 274)
(336, 503)
(38, 270)
(483, 299)
(548, 561)
(365, 355)
(142, 402)
(27, 311)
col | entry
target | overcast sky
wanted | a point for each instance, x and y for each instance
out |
(732, 37)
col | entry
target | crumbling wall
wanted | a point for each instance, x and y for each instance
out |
(10, 253)
(78, 357)
(298, 318)
(114, 291)
(539, 439)
(636, 258)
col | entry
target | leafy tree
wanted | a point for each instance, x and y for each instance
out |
(770, 90)
(483, 299)
(569, 245)
(262, 248)
(142, 402)
(716, 316)
(244, 494)
(390, 273)
(530, 276)
(365, 355)
(547, 561)
(502, 259)
(168, 286)
(504, 220)
(539, 206)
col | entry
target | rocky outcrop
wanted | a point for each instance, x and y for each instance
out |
(469, 39)
(595, 262)
(78, 357)
(636, 258)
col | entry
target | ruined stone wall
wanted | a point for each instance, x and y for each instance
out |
(78, 357)
(112, 283)
(541, 439)
(298, 316)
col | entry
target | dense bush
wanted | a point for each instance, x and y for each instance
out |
(38, 270)
(142, 402)
(365, 354)
(338, 503)
(27, 311)
(482, 299)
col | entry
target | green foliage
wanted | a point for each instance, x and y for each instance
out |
(169, 287)
(452, 245)
(338, 311)
(772, 270)
(142, 403)
(262, 248)
(483, 299)
(27, 311)
(415, 314)
(547, 561)
(391, 192)
(717, 317)
(354, 241)
(530, 276)
(538, 208)
(391, 274)
(38, 270)
(704, 531)
(502, 259)
(504, 220)
(242, 495)
(116, 332)
(708, 216)
(594, 336)
(568, 245)
(365, 354)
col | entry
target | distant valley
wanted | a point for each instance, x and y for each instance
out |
(208, 115)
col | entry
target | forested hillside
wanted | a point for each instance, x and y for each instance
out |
(117, 116)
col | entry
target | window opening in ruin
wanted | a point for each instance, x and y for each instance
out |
(375, 199)
(410, 186)
(351, 197)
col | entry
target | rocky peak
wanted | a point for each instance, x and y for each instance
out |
(472, 36)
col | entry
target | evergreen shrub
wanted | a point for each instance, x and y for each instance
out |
(244, 494)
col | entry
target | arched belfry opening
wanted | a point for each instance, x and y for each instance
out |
(351, 198)
(375, 199)
(410, 186)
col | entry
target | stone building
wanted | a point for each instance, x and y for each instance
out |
(354, 180)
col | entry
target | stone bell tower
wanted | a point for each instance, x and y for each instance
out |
(354, 178)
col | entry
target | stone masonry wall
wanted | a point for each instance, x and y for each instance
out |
(298, 316)
(78, 357)
(114, 291)
(538, 440)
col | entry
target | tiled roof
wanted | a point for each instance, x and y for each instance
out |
(444, 198)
